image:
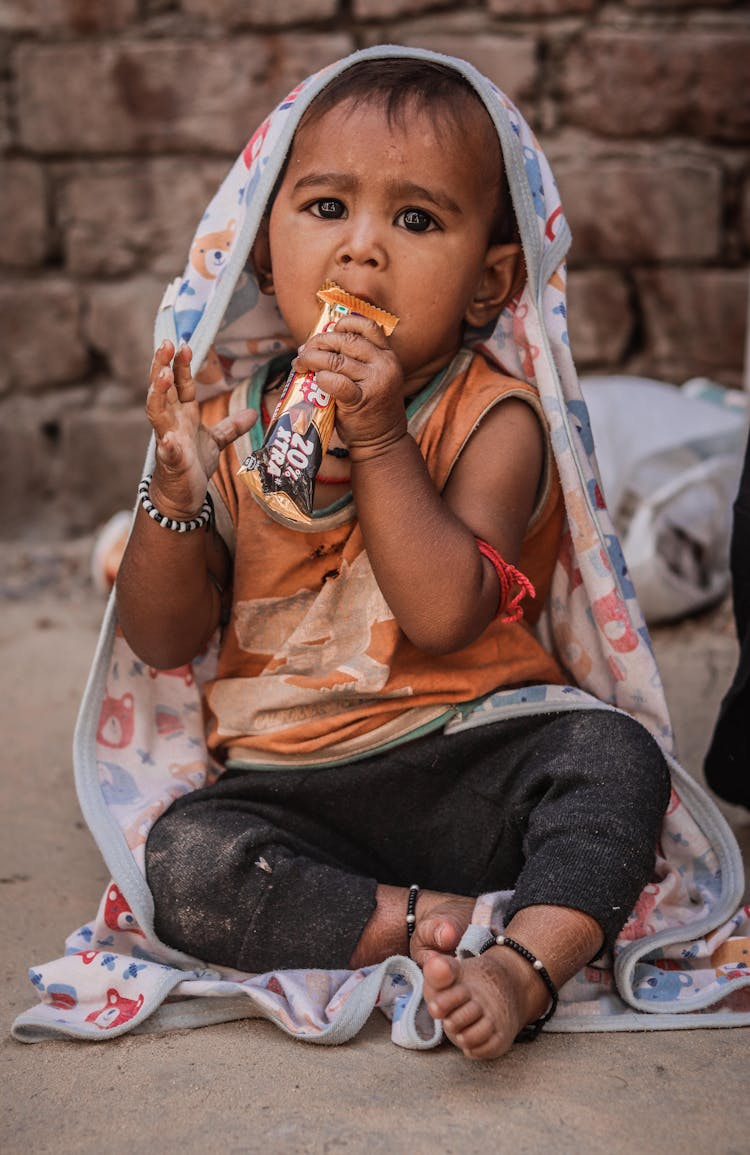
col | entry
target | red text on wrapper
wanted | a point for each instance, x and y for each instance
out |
(312, 392)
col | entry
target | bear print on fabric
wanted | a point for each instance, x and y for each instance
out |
(732, 958)
(117, 913)
(117, 1010)
(209, 253)
(656, 985)
(117, 722)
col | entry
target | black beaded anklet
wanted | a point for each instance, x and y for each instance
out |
(530, 1031)
(411, 906)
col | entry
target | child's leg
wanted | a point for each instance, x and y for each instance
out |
(273, 870)
(327, 835)
(567, 808)
(240, 881)
(486, 1001)
(598, 787)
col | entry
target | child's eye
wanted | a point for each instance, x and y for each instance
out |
(328, 210)
(416, 221)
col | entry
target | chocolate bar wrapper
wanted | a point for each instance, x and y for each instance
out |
(281, 474)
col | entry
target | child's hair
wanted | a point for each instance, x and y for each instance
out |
(399, 84)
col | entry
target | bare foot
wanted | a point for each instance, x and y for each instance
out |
(485, 1001)
(441, 922)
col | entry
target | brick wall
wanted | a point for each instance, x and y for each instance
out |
(118, 120)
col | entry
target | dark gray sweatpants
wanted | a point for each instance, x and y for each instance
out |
(565, 808)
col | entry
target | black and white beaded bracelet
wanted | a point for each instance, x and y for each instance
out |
(411, 906)
(531, 1030)
(173, 523)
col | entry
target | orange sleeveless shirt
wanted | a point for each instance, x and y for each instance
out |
(313, 668)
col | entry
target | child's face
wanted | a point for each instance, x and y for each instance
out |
(400, 215)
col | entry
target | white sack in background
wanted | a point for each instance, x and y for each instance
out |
(670, 460)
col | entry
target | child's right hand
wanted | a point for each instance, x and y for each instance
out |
(187, 452)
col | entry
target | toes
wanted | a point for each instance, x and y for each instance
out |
(443, 933)
(443, 993)
(475, 1035)
(472, 1006)
(492, 1048)
(446, 1003)
(441, 972)
(465, 1016)
(449, 935)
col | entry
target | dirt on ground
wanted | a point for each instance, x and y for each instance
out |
(246, 1087)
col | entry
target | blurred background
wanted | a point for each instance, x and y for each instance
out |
(119, 119)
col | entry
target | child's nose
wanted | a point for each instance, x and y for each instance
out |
(362, 245)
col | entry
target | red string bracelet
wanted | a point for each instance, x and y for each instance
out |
(509, 576)
(332, 480)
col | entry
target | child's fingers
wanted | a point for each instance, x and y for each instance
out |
(347, 343)
(340, 384)
(343, 363)
(163, 387)
(227, 431)
(244, 420)
(161, 359)
(183, 377)
(332, 357)
(364, 326)
(160, 399)
(170, 377)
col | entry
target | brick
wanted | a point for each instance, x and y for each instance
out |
(132, 96)
(244, 13)
(30, 430)
(24, 470)
(634, 83)
(23, 212)
(655, 207)
(393, 9)
(40, 335)
(600, 317)
(105, 217)
(101, 456)
(679, 3)
(119, 218)
(509, 61)
(6, 132)
(69, 461)
(119, 327)
(694, 322)
(540, 7)
(79, 16)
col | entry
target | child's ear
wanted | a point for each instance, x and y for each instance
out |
(260, 259)
(502, 279)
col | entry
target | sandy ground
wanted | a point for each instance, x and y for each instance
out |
(245, 1087)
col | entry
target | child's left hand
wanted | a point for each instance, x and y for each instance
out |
(355, 364)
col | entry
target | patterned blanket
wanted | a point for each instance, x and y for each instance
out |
(683, 957)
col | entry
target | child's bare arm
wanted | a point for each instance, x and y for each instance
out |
(169, 584)
(421, 544)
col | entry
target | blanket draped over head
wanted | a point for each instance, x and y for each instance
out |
(683, 957)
